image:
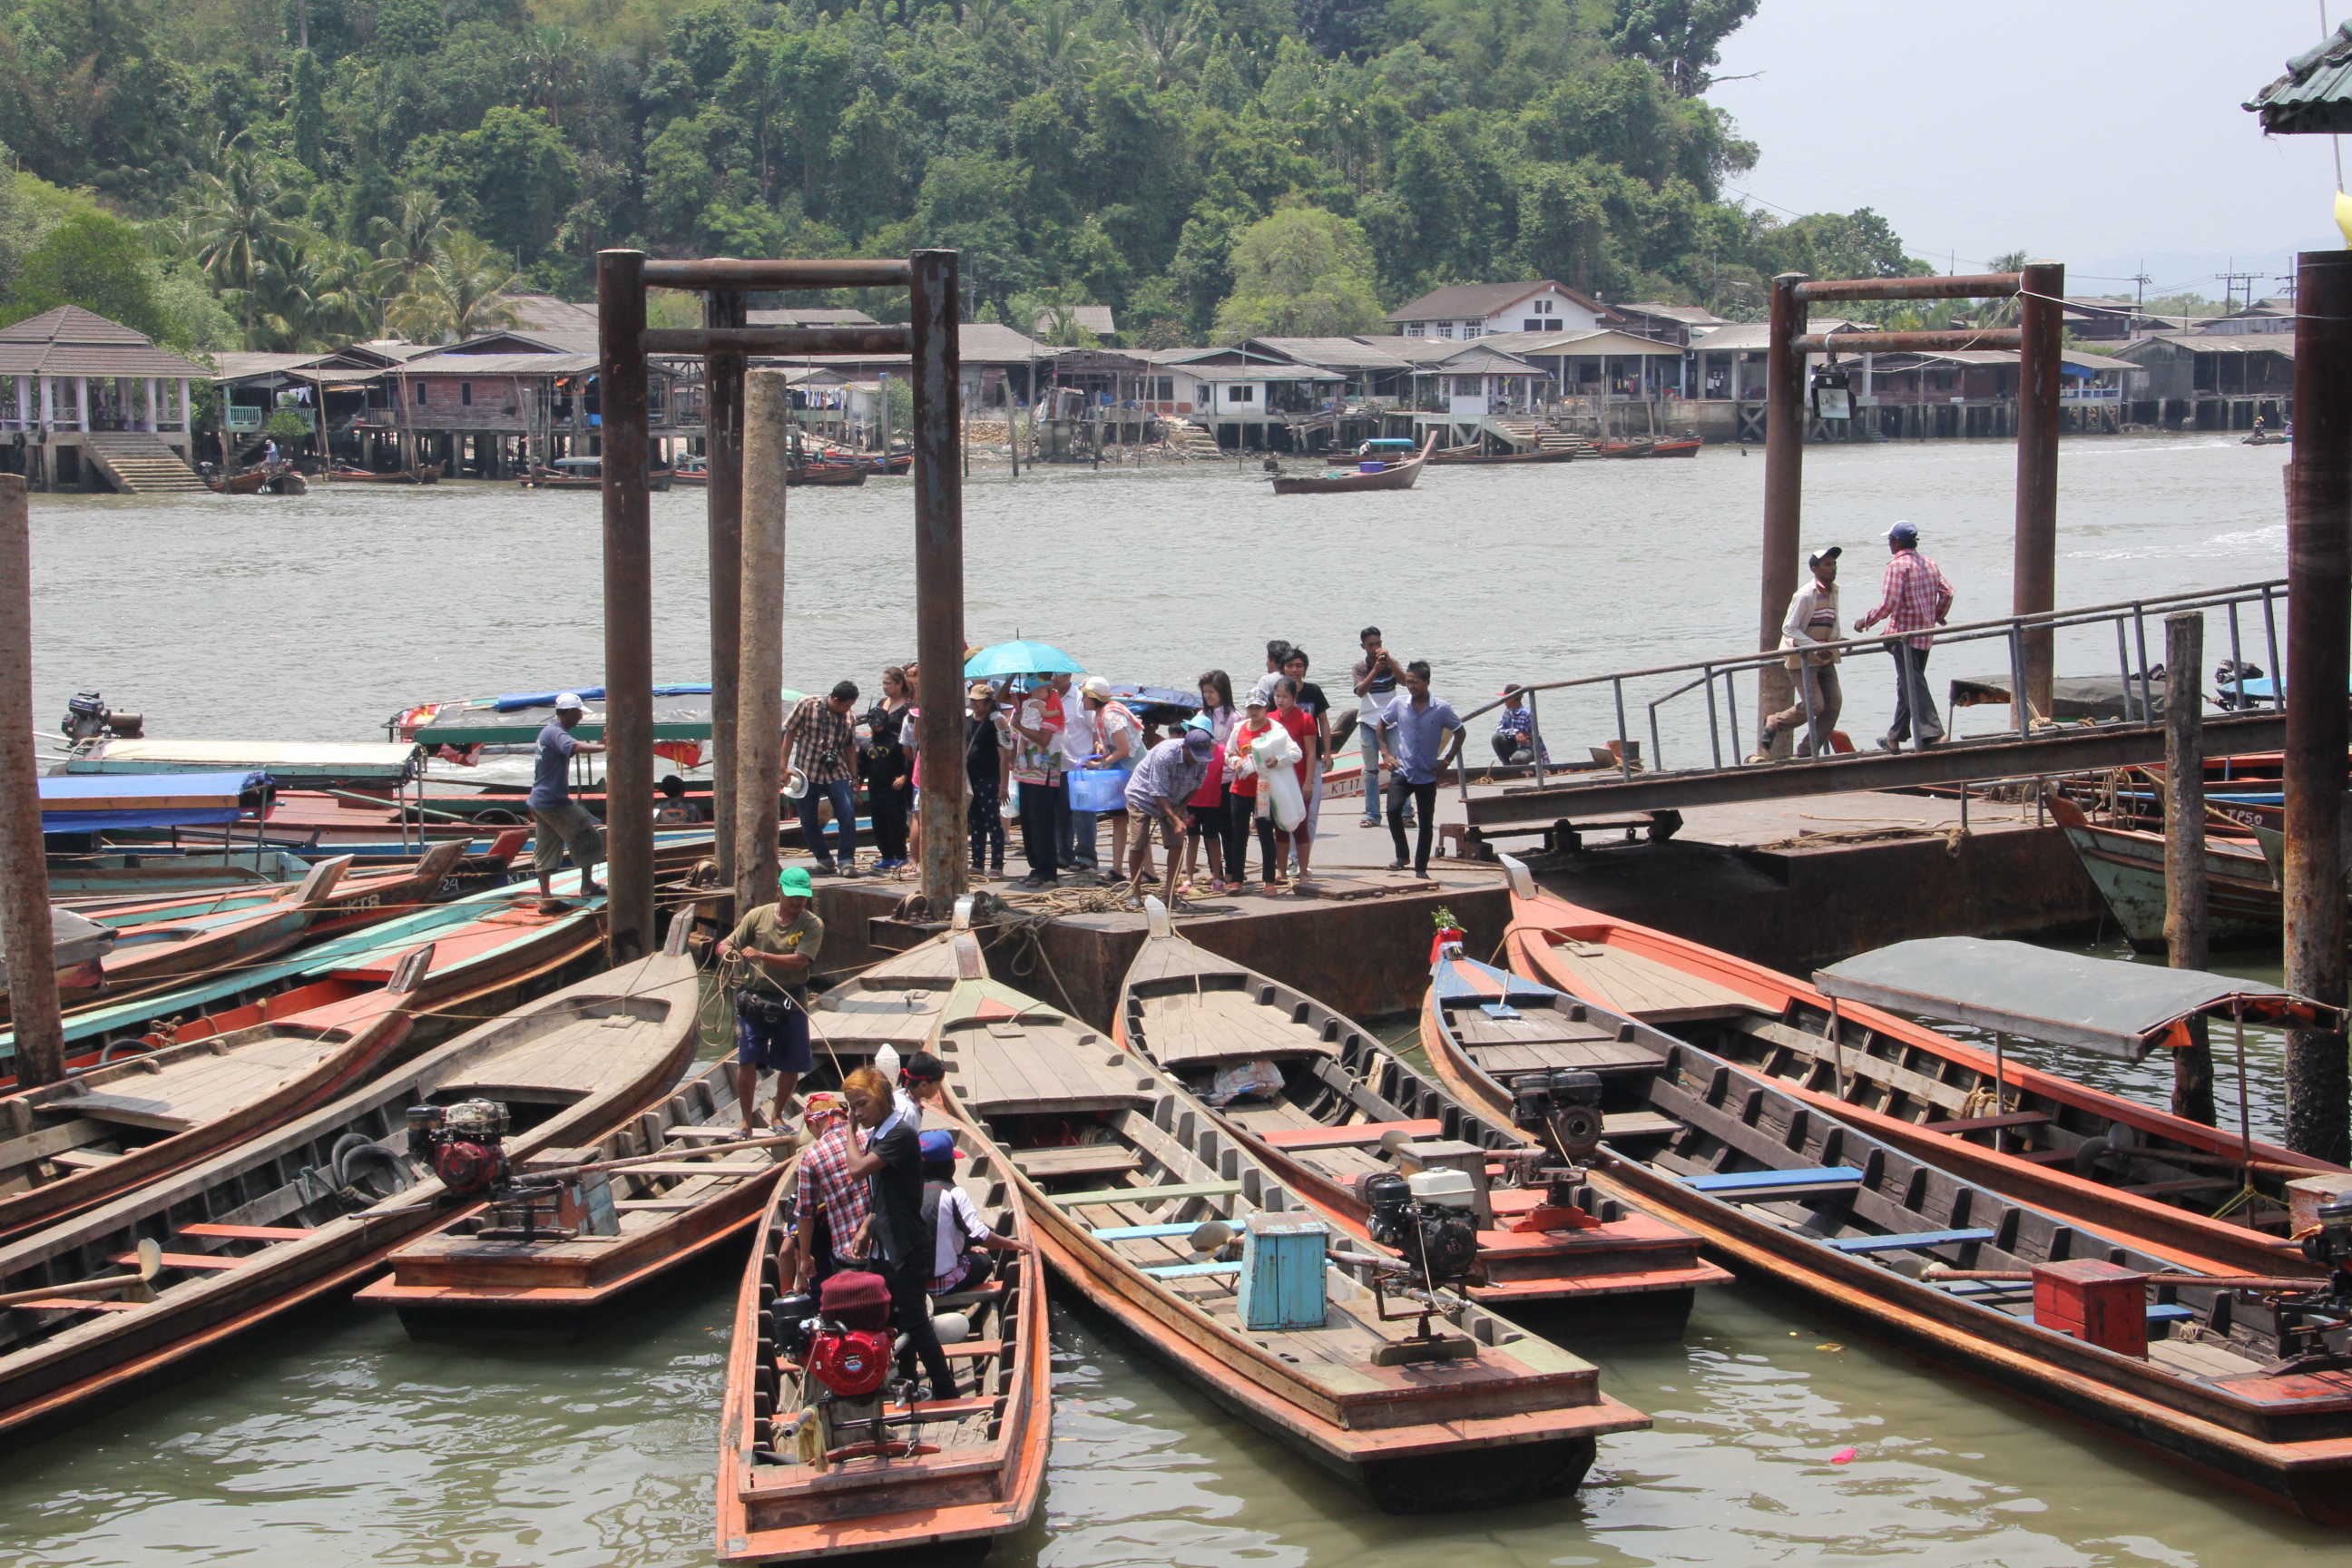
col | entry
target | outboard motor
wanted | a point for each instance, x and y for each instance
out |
(464, 1145)
(88, 718)
(1565, 1106)
(1430, 1217)
(2330, 1246)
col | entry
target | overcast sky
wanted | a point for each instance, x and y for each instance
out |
(2094, 133)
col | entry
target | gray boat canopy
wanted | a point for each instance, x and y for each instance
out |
(2015, 988)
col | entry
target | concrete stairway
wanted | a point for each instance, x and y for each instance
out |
(137, 462)
(1194, 444)
(1532, 434)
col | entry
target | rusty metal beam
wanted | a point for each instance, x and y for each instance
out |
(628, 610)
(2034, 568)
(1921, 343)
(1956, 761)
(722, 376)
(2319, 625)
(1784, 481)
(722, 273)
(1967, 285)
(788, 341)
(939, 572)
(24, 930)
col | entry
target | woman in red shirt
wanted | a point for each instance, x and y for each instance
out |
(1243, 781)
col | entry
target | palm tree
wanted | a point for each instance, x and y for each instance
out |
(240, 215)
(408, 244)
(460, 296)
(1170, 37)
(551, 59)
(2002, 312)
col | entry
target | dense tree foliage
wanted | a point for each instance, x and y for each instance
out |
(1131, 153)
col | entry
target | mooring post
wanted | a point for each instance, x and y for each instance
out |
(25, 932)
(939, 574)
(2318, 628)
(628, 609)
(760, 724)
(1784, 482)
(2034, 575)
(723, 421)
(2185, 934)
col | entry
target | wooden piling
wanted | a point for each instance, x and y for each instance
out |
(939, 574)
(2035, 571)
(628, 610)
(24, 930)
(1784, 495)
(760, 710)
(723, 446)
(2185, 929)
(2319, 625)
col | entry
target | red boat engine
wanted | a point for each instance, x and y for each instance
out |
(463, 1144)
(849, 1362)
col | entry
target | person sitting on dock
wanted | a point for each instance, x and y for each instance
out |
(780, 941)
(821, 745)
(1915, 599)
(559, 822)
(1516, 743)
(828, 1205)
(1428, 739)
(1812, 617)
(961, 1244)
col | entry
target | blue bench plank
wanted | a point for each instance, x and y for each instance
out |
(2170, 1313)
(1185, 1270)
(1917, 1241)
(1144, 1232)
(1753, 1181)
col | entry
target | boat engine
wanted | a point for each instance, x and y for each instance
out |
(1429, 1217)
(88, 718)
(1564, 1107)
(464, 1145)
(2330, 1246)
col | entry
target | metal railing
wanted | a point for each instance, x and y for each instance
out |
(2129, 618)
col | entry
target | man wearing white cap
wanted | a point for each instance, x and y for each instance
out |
(1812, 618)
(559, 822)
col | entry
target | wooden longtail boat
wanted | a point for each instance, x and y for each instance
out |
(115, 876)
(342, 898)
(281, 479)
(1464, 455)
(1395, 477)
(65, 1146)
(1343, 1094)
(1650, 448)
(618, 1230)
(827, 474)
(2243, 1384)
(2245, 907)
(582, 474)
(310, 1208)
(800, 1475)
(2063, 1146)
(426, 474)
(1119, 1169)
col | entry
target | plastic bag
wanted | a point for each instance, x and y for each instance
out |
(1276, 754)
(1261, 1079)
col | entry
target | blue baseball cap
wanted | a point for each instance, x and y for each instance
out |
(1903, 533)
(938, 1147)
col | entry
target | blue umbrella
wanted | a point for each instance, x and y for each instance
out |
(1020, 658)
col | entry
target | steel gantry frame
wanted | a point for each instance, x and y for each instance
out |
(724, 342)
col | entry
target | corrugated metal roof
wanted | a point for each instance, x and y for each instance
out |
(70, 341)
(1689, 315)
(1263, 372)
(804, 316)
(1758, 334)
(1096, 319)
(237, 366)
(2315, 95)
(2281, 343)
(546, 313)
(992, 343)
(1478, 300)
(499, 364)
(1332, 353)
(1593, 341)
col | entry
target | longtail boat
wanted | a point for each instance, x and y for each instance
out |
(309, 1209)
(827, 474)
(67, 1145)
(1468, 455)
(807, 1471)
(424, 474)
(552, 1269)
(340, 896)
(125, 874)
(273, 478)
(1374, 1369)
(2244, 1379)
(1392, 476)
(2244, 905)
(1649, 446)
(2048, 1141)
(1338, 1107)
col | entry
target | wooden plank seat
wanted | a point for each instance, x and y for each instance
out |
(1766, 1182)
(1351, 1136)
(2193, 1184)
(1987, 1124)
(704, 1134)
(83, 1159)
(2170, 1312)
(129, 1112)
(660, 1205)
(1190, 1270)
(78, 1304)
(194, 1262)
(1917, 1241)
(212, 1231)
(1080, 1159)
(975, 1349)
(1638, 1124)
(991, 1292)
(1157, 1194)
(1145, 1232)
(2045, 1156)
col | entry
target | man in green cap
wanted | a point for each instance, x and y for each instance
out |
(778, 943)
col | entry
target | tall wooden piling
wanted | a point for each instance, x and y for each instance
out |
(2035, 571)
(760, 721)
(1784, 481)
(2319, 625)
(628, 609)
(2185, 928)
(939, 574)
(24, 867)
(722, 371)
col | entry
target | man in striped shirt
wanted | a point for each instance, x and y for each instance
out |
(1915, 599)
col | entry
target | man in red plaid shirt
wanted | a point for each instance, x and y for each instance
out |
(823, 1190)
(1915, 599)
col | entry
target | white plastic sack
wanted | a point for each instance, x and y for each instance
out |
(1276, 755)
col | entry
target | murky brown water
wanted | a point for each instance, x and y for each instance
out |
(335, 1440)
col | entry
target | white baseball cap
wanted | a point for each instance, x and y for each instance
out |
(569, 703)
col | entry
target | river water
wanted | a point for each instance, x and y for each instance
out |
(334, 1440)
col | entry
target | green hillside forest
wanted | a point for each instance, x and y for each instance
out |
(288, 174)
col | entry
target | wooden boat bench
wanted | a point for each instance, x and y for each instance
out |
(1144, 1232)
(1987, 1124)
(78, 1304)
(209, 1230)
(1776, 1187)
(194, 1262)
(1079, 1159)
(1917, 1241)
(1355, 1134)
(1191, 1271)
(1155, 1194)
